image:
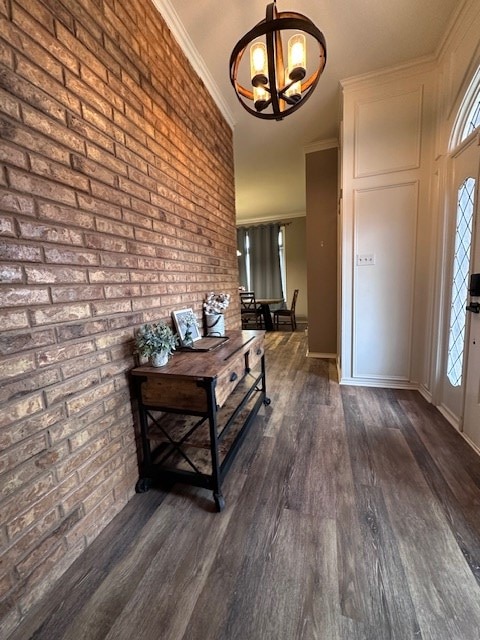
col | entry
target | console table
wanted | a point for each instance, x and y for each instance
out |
(196, 410)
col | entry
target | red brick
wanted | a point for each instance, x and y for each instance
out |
(40, 581)
(119, 260)
(105, 243)
(64, 429)
(51, 275)
(106, 126)
(16, 202)
(106, 159)
(20, 409)
(94, 170)
(24, 341)
(47, 233)
(65, 256)
(13, 319)
(59, 173)
(69, 389)
(9, 153)
(42, 550)
(63, 353)
(52, 130)
(80, 330)
(41, 187)
(23, 451)
(64, 215)
(20, 296)
(24, 90)
(130, 158)
(110, 195)
(89, 133)
(30, 383)
(7, 226)
(10, 273)
(39, 12)
(76, 86)
(99, 86)
(32, 141)
(74, 294)
(30, 426)
(38, 53)
(108, 275)
(9, 105)
(54, 90)
(80, 365)
(107, 308)
(114, 227)
(60, 314)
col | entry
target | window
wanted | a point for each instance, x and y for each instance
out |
(262, 259)
(473, 118)
(463, 244)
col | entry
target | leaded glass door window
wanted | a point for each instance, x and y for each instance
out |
(459, 295)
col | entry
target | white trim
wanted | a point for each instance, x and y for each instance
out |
(387, 75)
(450, 417)
(243, 222)
(327, 356)
(168, 13)
(321, 145)
(383, 383)
(471, 443)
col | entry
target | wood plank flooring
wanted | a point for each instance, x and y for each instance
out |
(351, 514)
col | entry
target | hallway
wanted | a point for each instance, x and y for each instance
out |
(351, 514)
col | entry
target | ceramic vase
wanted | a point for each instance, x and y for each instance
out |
(159, 359)
(215, 324)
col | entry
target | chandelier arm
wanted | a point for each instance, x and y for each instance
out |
(271, 58)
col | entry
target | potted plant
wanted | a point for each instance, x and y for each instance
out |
(157, 342)
(214, 307)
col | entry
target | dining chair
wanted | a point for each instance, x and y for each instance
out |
(286, 316)
(251, 312)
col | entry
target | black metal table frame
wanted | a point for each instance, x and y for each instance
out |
(151, 470)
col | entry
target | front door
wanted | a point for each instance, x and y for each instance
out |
(471, 420)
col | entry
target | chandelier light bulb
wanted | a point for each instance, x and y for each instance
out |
(261, 99)
(258, 64)
(294, 92)
(297, 59)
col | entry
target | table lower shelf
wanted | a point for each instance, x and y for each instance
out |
(181, 447)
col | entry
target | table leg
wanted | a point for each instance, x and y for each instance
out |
(267, 317)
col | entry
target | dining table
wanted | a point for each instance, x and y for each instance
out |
(264, 304)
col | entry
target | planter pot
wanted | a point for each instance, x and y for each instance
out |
(214, 324)
(159, 359)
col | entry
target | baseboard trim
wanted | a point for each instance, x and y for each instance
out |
(380, 383)
(316, 354)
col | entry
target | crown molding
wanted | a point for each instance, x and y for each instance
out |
(389, 74)
(168, 13)
(245, 222)
(321, 145)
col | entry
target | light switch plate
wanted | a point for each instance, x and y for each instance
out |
(365, 259)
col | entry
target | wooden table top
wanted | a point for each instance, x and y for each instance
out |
(203, 364)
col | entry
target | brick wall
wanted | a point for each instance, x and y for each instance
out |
(116, 207)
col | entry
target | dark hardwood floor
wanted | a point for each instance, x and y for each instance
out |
(351, 514)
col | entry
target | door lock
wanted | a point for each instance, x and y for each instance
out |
(474, 307)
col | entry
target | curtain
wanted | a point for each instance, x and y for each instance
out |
(242, 259)
(265, 261)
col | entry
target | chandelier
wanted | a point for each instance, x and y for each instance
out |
(277, 89)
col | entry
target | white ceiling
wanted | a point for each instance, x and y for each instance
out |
(361, 36)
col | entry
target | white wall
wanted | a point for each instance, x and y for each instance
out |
(397, 127)
(386, 226)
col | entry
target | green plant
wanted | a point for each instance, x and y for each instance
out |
(154, 338)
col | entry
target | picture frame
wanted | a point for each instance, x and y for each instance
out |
(186, 322)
